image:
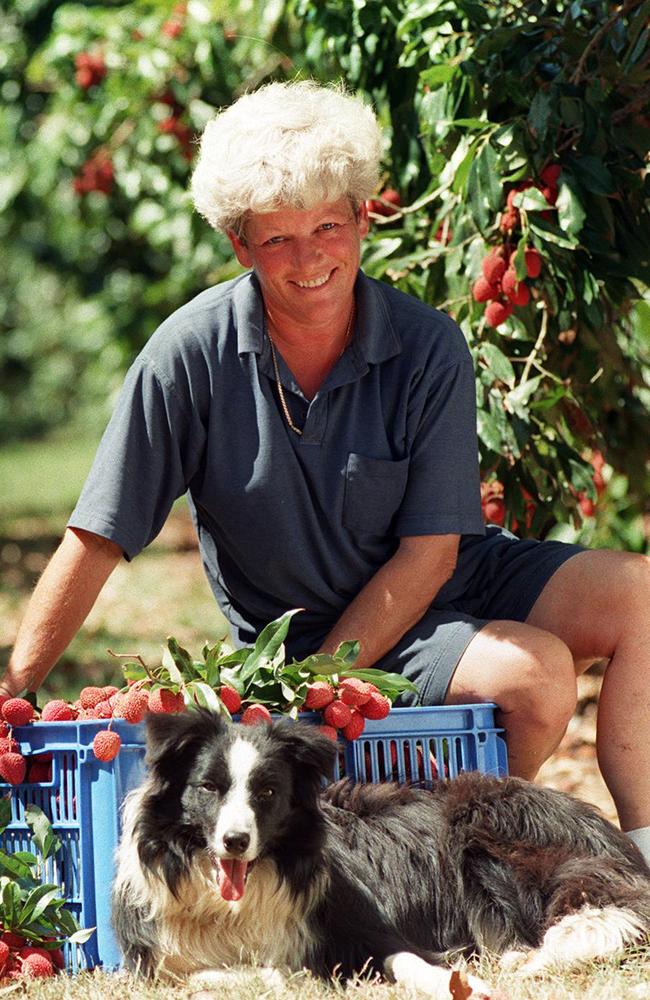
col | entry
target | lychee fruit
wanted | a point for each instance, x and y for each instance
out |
(91, 696)
(57, 711)
(533, 263)
(353, 691)
(493, 267)
(255, 714)
(106, 745)
(483, 291)
(377, 706)
(517, 291)
(230, 697)
(13, 767)
(37, 966)
(337, 714)
(320, 694)
(17, 712)
(497, 313)
(164, 700)
(355, 726)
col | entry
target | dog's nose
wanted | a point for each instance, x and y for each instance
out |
(236, 842)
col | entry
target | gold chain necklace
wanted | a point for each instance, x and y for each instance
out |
(283, 401)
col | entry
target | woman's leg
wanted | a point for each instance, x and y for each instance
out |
(530, 675)
(598, 604)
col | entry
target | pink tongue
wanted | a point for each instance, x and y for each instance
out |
(231, 875)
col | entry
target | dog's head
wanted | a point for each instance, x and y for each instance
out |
(238, 792)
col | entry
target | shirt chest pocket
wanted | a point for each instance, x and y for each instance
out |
(374, 489)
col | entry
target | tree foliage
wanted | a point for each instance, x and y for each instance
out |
(519, 126)
(514, 127)
(103, 105)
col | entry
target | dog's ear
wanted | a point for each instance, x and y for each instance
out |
(170, 737)
(305, 745)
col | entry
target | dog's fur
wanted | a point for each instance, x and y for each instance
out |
(353, 877)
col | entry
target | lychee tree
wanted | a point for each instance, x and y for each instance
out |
(518, 144)
(102, 105)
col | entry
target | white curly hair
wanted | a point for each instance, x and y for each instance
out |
(294, 144)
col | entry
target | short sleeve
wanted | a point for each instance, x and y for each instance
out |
(148, 455)
(443, 487)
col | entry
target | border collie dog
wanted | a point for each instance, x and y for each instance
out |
(234, 854)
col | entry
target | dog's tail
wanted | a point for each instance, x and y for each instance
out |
(595, 910)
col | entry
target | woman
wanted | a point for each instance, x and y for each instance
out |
(323, 425)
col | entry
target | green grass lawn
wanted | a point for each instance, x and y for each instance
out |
(43, 478)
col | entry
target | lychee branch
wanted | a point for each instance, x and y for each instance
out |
(531, 359)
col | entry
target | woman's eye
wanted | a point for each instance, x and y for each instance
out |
(328, 226)
(274, 241)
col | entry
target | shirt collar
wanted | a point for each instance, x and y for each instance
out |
(378, 339)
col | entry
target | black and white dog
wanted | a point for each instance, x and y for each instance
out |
(233, 854)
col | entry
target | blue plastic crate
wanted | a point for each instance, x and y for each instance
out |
(84, 796)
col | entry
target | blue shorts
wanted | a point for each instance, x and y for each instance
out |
(498, 576)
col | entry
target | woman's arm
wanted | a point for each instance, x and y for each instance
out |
(58, 607)
(396, 597)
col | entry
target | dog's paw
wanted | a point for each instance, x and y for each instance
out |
(463, 986)
(434, 981)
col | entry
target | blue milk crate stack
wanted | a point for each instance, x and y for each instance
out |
(83, 798)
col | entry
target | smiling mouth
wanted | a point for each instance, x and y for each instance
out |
(315, 282)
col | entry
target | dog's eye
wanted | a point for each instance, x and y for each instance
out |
(266, 793)
(209, 786)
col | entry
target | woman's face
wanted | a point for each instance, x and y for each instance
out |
(306, 260)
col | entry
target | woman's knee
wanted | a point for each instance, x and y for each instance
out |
(526, 671)
(547, 689)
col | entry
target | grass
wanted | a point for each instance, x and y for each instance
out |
(43, 478)
(608, 981)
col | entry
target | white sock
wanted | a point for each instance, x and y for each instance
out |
(641, 838)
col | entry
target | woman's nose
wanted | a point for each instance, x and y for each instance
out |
(306, 252)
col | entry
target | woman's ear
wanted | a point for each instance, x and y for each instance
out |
(363, 223)
(242, 252)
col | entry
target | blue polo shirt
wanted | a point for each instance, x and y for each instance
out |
(284, 521)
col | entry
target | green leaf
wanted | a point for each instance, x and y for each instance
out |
(82, 935)
(16, 866)
(10, 901)
(489, 431)
(531, 200)
(181, 659)
(134, 672)
(44, 837)
(571, 213)
(5, 812)
(484, 187)
(169, 663)
(348, 651)
(593, 174)
(498, 363)
(539, 114)
(202, 694)
(517, 399)
(268, 643)
(37, 903)
(549, 233)
(436, 75)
